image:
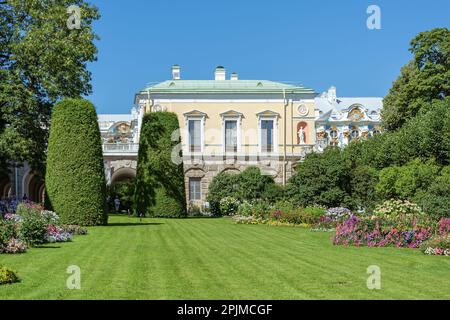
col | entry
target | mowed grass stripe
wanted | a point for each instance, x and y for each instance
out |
(216, 259)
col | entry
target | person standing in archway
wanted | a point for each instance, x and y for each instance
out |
(117, 203)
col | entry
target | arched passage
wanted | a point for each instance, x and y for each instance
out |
(34, 187)
(5, 186)
(123, 174)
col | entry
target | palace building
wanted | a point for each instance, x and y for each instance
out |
(227, 125)
(341, 120)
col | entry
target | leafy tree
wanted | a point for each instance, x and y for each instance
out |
(160, 190)
(426, 136)
(223, 185)
(386, 185)
(248, 185)
(363, 180)
(253, 184)
(322, 179)
(41, 61)
(75, 177)
(421, 81)
(408, 182)
(437, 199)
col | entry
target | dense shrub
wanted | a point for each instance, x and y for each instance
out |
(167, 206)
(57, 234)
(8, 230)
(321, 179)
(298, 216)
(159, 190)
(436, 201)
(195, 211)
(223, 185)
(229, 206)
(75, 230)
(249, 185)
(273, 192)
(14, 246)
(245, 209)
(363, 180)
(75, 179)
(252, 184)
(410, 181)
(444, 226)
(281, 213)
(396, 208)
(7, 276)
(425, 137)
(33, 227)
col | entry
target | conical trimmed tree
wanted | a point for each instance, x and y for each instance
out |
(160, 181)
(75, 176)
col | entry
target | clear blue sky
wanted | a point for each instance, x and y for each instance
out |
(318, 43)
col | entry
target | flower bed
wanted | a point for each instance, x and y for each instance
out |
(374, 233)
(27, 224)
(438, 245)
(57, 234)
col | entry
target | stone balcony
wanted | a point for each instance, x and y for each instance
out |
(118, 150)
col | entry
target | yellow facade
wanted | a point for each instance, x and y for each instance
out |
(287, 120)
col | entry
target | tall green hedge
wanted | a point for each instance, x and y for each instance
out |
(160, 190)
(75, 176)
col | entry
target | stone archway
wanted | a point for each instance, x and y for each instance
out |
(231, 170)
(5, 186)
(34, 187)
(123, 174)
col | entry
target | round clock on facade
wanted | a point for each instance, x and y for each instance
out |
(303, 110)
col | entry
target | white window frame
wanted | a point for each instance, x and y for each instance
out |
(202, 133)
(273, 118)
(238, 119)
(199, 180)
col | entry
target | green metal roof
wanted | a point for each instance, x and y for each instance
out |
(224, 86)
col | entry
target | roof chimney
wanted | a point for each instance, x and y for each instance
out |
(176, 72)
(234, 76)
(220, 73)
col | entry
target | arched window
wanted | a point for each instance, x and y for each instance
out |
(334, 134)
(354, 134)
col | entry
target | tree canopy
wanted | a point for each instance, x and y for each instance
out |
(424, 79)
(41, 61)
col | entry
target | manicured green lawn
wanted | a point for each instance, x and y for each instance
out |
(216, 259)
